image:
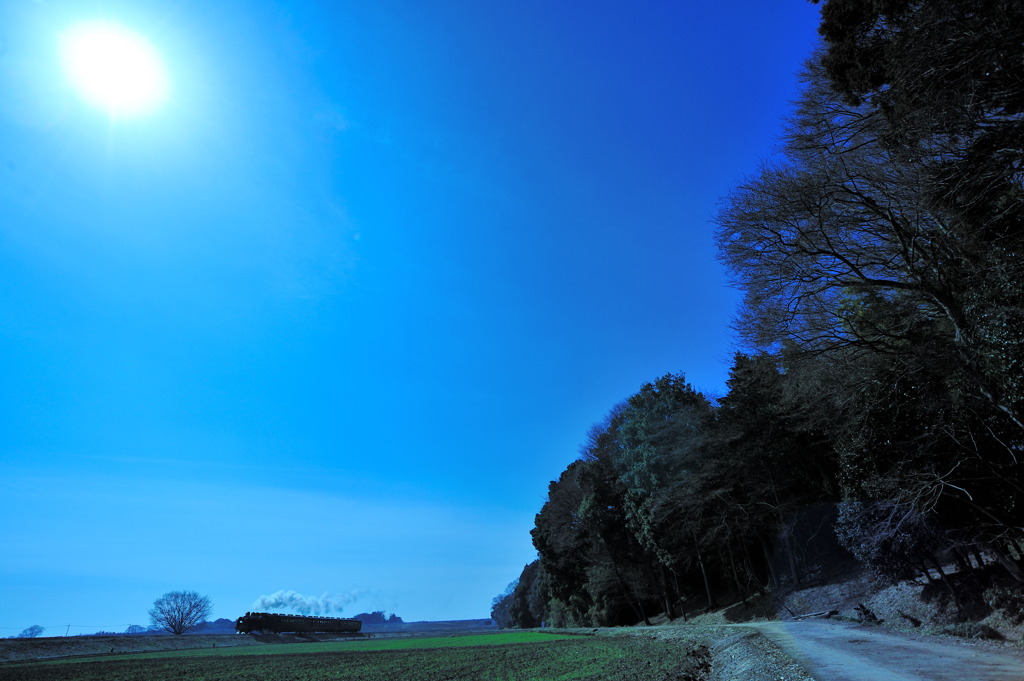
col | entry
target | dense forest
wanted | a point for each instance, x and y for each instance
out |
(876, 414)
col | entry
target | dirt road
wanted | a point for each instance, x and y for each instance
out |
(846, 652)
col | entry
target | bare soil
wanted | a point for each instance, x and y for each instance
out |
(12, 649)
(766, 649)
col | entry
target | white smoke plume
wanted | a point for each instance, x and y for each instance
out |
(294, 602)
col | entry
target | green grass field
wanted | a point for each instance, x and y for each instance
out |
(522, 656)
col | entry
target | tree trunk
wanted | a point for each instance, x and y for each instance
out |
(679, 595)
(948, 584)
(752, 576)
(643, 610)
(1020, 551)
(707, 585)
(741, 591)
(639, 612)
(1011, 565)
(791, 557)
(773, 579)
(669, 610)
(963, 564)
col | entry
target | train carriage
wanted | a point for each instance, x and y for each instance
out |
(273, 623)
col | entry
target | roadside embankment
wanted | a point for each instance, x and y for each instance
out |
(734, 651)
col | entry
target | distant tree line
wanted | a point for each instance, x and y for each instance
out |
(878, 411)
(378, 617)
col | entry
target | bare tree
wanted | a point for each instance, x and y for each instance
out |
(32, 631)
(841, 243)
(180, 611)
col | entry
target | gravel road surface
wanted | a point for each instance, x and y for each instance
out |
(834, 651)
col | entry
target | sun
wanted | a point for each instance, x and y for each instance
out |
(114, 68)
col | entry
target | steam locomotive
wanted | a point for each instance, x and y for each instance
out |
(270, 623)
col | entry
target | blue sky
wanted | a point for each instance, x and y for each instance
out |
(332, 317)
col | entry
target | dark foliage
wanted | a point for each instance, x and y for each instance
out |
(879, 411)
(378, 617)
(524, 604)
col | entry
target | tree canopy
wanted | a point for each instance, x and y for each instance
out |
(876, 413)
(180, 611)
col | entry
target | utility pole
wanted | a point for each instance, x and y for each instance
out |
(66, 632)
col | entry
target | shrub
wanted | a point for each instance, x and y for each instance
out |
(1010, 601)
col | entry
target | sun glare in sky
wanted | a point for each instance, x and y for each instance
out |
(114, 68)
